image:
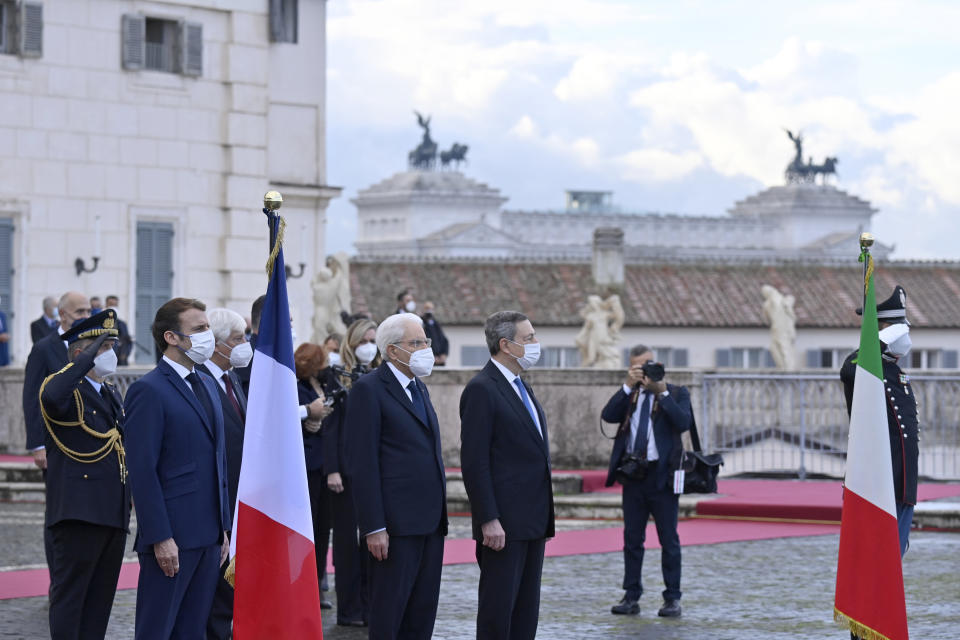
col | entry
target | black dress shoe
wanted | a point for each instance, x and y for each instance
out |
(626, 607)
(351, 623)
(324, 585)
(325, 604)
(670, 609)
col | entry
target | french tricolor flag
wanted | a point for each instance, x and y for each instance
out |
(276, 591)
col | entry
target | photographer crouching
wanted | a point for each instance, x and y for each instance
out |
(646, 452)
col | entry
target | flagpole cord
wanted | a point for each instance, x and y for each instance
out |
(277, 227)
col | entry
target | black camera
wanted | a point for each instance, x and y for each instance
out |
(632, 467)
(338, 394)
(654, 371)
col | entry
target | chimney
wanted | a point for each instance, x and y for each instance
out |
(608, 257)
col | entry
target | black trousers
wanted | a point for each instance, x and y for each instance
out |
(640, 501)
(83, 580)
(349, 559)
(405, 588)
(509, 593)
(322, 516)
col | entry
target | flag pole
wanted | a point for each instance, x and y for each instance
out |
(866, 241)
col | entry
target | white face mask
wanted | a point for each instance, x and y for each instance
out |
(421, 362)
(105, 364)
(240, 355)
(531, 354)
(410, 306)
(333, 359)
(366, 352)
(201, 346)
(897, 339)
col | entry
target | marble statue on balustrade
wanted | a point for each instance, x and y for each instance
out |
(331, 295)
(599, 338)
(778, 312)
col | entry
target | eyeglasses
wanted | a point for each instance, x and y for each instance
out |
(416, 344)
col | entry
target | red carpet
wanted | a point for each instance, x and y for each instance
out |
(9, 458)
(34, 582)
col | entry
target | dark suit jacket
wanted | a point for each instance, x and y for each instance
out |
(40, 329)
(92, 492)
(506, 463)
(438, 338)
(47, 356)
(903, 424)
(124, 344)
(4, 346)
(313, 443)
(233, 429)
(671, 417)
(177, 461)
(394, 459)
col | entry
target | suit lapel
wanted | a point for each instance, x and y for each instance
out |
(186, 391)
(398, 392)
(545, 440)
(513, 399)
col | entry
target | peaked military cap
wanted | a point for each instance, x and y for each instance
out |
(893, 309)
(104, 322)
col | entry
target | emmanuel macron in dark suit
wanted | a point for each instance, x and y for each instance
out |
(644, 407)
(88, 498)
(393, 454)
(505, 454)
(178, 476)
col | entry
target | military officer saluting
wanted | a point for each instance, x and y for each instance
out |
(88, 499)
(902, 417)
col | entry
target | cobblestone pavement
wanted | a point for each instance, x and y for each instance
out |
(770, 589)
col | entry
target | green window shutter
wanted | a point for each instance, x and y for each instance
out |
(133, 36)
(154, 280)
(6, 266)
(191, 49)
(30, 23)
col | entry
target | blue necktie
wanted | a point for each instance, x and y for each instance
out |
(526, 400)
(640, 442)
(417, 398)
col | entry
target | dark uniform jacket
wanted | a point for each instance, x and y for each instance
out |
(93, 492)
(47, 356)
(506, 462)
(671, 416)
(314, 444)
(902, 422)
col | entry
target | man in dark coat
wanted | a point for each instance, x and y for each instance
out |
(178, 476)
(652, 414)
(45, 324)
(505, 454)
(393, 456)
(88, 498)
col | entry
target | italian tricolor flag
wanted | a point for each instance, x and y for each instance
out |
(869, 599)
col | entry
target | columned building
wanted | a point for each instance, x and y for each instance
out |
(144, 134)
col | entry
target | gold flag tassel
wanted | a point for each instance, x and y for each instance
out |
(275, 251)
(857, 629)
(230, 575)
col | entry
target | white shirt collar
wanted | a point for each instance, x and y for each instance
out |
(401, 378)
(509, 375)
(181, 370)
(60, 330)
(214, 370)
(93, 383)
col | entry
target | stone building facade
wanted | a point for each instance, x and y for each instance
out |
(144, 133)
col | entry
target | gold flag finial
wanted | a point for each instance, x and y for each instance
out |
(272, 200)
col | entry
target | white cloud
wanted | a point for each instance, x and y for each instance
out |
(655, 165)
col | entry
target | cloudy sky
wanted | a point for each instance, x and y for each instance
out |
(675, 106)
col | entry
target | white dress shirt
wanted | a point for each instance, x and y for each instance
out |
(402, 379)
(217, 373)
(652, 453)
(181, 370)
(511, 376)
